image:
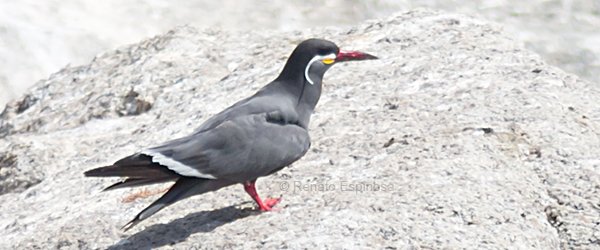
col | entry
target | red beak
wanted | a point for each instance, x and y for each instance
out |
(343, 56)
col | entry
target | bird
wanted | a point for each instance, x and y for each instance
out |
(255, 137)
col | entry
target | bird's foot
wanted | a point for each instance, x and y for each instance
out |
(269, 203)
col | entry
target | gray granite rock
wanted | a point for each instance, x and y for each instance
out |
(457, 137)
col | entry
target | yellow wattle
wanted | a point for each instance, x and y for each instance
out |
(328, 61)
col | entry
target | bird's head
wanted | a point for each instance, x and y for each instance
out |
(313, 57)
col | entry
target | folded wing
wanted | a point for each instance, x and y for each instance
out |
(243, 148)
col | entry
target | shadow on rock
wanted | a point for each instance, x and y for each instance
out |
(180, 229)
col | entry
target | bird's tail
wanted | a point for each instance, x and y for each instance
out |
(134, 182)
(139, 170)
(183, 188)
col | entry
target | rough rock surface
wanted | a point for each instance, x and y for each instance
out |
(40, 37)
(456, 138)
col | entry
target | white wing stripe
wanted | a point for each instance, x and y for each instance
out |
(176, 166)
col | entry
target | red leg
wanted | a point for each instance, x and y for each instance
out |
(267, 205)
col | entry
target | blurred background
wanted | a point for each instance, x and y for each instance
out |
(38, 38)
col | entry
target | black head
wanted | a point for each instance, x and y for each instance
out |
(314, 48)
(313, 57)
(302, 75)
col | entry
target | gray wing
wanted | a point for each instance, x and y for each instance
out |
(256, 104)
(239, 149)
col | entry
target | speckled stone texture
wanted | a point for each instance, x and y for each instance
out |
(457, 137)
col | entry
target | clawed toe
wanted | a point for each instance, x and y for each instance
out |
(270, 203)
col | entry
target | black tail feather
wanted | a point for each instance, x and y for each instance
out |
(175, 193)
(183, 188)
(134, 182)
(138, 172)
(137, 166)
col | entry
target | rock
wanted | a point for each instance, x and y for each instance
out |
(496, 149)
(13, 178)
